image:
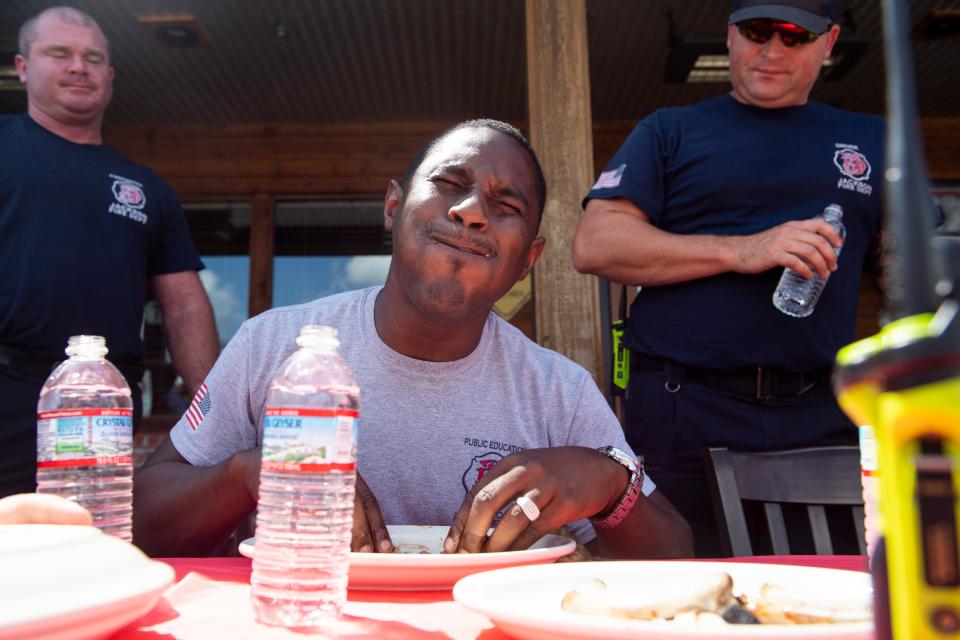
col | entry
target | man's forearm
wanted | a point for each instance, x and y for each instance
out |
(621, 246)
(183, 510)
(652, 529)
(616, 240)
(189, 326)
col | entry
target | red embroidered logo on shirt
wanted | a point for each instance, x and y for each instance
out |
(854, 169)
(130, 199)
(852, 164)
(479, 466)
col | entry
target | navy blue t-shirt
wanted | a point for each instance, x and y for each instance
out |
(720, 167)
(81, 231)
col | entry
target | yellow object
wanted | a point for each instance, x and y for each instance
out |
(906, 382)
(621, 359)
(513, 300)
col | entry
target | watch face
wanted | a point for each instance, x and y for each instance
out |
(620, 456)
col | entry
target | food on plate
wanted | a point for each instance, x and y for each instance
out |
(779, 604)
(411, 547)
(710, 599)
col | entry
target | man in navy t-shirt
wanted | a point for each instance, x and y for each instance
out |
(83, 232)
(703, 207)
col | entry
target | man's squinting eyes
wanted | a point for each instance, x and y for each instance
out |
(506, 200)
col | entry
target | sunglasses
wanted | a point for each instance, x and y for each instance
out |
(760, 30)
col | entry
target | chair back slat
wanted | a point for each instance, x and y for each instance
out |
(776, 528)
(734, 538)
(815, 478)
(820, 529)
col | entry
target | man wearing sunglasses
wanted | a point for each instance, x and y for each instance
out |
(703, 207)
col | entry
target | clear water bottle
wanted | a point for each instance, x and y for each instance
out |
(870, 482)
(85, 435)
(307, 478)
(797, 296)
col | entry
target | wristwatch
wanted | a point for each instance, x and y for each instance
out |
(629, 497)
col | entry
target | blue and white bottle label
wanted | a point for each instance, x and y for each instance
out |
(311, 440)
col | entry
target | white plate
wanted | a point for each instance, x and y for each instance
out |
(60, 582)
(434, 570)
(524, 602)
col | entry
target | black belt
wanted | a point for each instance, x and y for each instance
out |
(759, 382)
(38, 366)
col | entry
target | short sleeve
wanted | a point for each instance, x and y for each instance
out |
(220, 421)
(172, 249)
(636, 171)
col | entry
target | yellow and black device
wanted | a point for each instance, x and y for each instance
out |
(620, 364)
(905, 381)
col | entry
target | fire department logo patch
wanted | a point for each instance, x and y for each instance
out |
(852, 164)
(479, 466)
(128, 192)
(129, 199)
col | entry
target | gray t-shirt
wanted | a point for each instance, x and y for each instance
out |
(428, 430)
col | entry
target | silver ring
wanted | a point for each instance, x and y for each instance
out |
(529, 507)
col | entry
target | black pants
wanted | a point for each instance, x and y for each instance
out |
(673, 429)
(18, 429)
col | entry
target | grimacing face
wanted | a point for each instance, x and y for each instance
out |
(67, 74)
(772, 75)
(465, 231)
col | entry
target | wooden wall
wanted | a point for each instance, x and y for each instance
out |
(295, 161)
(348, 161)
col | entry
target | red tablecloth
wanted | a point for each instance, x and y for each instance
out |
(211, 599)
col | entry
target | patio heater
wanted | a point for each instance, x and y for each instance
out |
(905, 381)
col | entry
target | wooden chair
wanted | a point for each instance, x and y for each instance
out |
(815, 477)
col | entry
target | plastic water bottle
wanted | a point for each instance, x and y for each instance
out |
(85, 435)
(797, 296)
(307, 478)
(870, 481)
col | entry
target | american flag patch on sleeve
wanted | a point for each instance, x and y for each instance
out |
(610, 179)
(199, 408)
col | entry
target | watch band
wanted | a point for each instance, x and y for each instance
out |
(629, 497)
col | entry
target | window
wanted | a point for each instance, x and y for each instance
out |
(323, 248)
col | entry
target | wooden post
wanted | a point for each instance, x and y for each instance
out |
(261, 254)
(567, 304)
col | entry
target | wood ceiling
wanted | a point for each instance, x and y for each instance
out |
(382, 61)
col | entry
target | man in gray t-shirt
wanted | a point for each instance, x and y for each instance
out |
(462, 417)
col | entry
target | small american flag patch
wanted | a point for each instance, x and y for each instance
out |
(199, 408)
(610, 179)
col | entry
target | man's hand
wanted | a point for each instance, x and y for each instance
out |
(806, 246)
(617, 240)
(566, 484)
(369, 532)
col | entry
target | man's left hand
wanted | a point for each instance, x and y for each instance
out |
(565, 483)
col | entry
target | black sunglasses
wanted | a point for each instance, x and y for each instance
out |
(760, 30)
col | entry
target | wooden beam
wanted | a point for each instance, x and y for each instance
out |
(261, 254)
(567, 311)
